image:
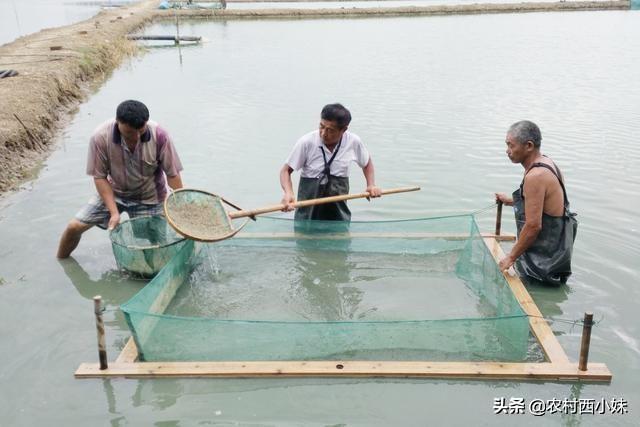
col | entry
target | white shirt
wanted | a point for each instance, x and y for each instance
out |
(307, 155)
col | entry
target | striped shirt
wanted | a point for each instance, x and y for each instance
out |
(138, 176)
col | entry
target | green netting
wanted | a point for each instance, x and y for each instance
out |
(390, 290)
(144, 245)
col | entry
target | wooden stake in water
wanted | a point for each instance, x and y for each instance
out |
(178, 36)
(102, 348)
(586, 341)
(177, 27)
(498, 217)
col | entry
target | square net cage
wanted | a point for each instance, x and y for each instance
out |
(420, 289)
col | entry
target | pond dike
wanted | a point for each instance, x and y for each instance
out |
(460, 9)
(58, 67)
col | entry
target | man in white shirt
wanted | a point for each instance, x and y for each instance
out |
(324, 156)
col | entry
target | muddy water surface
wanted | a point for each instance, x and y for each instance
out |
(431, 98)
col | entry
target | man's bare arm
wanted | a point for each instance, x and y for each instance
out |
(287, 187)
(507, 200)
(370, 176)
(175, 182)
(106, 194)
(534, 194)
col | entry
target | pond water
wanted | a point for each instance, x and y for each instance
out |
(297, 284)
(22, 17)
(432, 99)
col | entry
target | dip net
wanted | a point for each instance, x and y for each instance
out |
(424, 289)
(144, 245)
(199, 215)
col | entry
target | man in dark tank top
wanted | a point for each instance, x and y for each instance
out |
(546, 228)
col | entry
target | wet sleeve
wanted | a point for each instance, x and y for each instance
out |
(361, 153)
(168, 156)
(298, 156)
(97, 159)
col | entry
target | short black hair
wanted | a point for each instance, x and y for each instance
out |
(132, 113)
(524, 131)
(336, 113)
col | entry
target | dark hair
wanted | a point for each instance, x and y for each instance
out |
(336, 113)
(524, 131)
(132, 113)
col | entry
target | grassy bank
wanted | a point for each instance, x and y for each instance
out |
(56, 68)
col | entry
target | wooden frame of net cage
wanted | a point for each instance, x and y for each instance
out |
(556, 367)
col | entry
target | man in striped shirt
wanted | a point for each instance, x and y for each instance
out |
(131, 160)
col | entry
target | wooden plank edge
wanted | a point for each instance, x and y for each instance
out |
(539, 326)
(362, 235)
(129, 353)
(238, 369)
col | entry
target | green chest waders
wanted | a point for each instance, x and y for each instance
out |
(548, 259)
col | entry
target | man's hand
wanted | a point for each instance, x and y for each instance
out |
(506, 263)
(287, 187)
(374, 191)
(175, 182)
(502, 197)
(114, 221)
(287, 200)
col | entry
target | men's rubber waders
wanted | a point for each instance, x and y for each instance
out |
(549, 258)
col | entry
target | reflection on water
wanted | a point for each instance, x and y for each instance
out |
(22, 17)
(327, 285)
(114, 286)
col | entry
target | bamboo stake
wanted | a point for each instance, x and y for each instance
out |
(586, 341)
(102, 348)
(498, 217)
(177, 41)
(34, 142)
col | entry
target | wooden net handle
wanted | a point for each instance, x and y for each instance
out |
(319, 201)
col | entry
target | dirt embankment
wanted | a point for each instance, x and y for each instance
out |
(56, 68)
(435, 10)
